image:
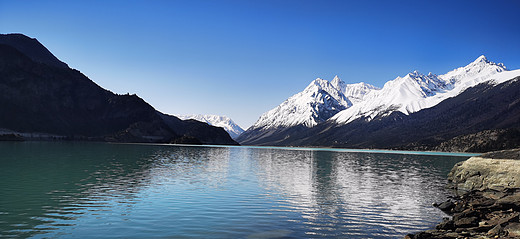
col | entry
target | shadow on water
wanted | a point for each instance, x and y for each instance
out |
(117, 190)
(47, 186)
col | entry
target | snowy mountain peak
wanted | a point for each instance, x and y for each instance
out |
(481, 58)
(418, 76)
(319, 101)
(339, 103)
(416, 91)
(336, 80)
(413, 76)
(322, 100)
(219, 121)
(476, 71)
(318, 83)
(358, 92)
(338, 83)
(353, 92)
(482, 62)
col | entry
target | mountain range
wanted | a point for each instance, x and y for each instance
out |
(474, 108)
(416, 111)
(42, 98)
(216, 120)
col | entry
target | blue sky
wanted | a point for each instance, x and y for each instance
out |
(242, 58)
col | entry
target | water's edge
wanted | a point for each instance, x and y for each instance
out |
(487, 199)
(375, 151)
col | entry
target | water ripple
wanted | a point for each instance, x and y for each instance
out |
(90, 190)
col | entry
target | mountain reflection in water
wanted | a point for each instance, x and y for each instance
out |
(98, 190)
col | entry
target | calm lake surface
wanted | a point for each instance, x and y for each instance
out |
(97, 190)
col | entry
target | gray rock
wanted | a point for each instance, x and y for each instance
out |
(513, 229)
(483, 174)
(466, 222)
(495, 230)
(510, 201)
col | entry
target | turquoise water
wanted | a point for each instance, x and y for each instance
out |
(97, 190)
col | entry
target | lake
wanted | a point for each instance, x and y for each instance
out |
(100, 190)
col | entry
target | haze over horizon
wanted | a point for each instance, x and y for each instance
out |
(241, 59)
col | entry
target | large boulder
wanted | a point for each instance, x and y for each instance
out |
(481, 174)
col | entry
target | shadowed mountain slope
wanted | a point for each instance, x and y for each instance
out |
(41, 95)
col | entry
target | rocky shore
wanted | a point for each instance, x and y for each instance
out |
(486, 201)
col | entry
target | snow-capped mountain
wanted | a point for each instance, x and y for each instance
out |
(327, 113)
(485, 117)
(354, 92)
(319, 101)
(417, 91)
(219, 121)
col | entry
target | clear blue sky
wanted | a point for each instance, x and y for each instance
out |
(242, 58)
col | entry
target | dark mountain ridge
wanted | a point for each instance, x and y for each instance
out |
(31, 48)
(40, 94)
